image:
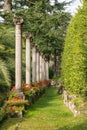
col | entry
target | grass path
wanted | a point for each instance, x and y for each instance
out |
(48, 113)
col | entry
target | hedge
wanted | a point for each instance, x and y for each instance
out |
(74, 57)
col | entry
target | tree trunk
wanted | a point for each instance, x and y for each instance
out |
(56, 64)
(55, 69)
(7, 5)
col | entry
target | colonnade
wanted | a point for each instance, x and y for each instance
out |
(40, 65)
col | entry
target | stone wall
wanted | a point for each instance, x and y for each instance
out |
(69, 103)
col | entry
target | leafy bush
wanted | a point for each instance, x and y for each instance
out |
(2, 113)
(51, 73)
(34, 90)
(74, 58)
(15, 103)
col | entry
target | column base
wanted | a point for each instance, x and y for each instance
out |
(20, 94)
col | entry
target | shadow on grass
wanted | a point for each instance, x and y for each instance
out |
(80, 126)
(8, 123)
(46, 100)
(43, 101)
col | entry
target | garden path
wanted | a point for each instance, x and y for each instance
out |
(48, 113)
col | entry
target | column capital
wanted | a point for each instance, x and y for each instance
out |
(37, 50)
(46, 60)
(44, 57)
(28, 35)
(18, 20)
(34, 45)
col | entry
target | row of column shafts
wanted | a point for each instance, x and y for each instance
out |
(40, 66)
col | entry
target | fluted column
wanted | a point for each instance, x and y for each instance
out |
(47, 70)
(33, 64)
(18, 54)
(37, 66)
(43, 69)
(40, 67)
(28, 57)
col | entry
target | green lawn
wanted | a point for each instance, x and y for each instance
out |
(48, 113)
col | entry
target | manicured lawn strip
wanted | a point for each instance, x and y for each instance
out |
(48, 113)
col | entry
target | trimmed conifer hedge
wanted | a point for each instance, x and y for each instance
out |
(74, 58)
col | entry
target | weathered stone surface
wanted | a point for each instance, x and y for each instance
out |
(41, 62)
(18, 52)
(28, 57)
(84, 111)
(65, 96)
(69, 103)
(38, 66)
(47, 70)
(34, 64)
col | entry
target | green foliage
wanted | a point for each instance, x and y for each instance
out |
(48, 113)
(2, 97)
(6, 55)
(57, 78)
(51, 73)
(2, 113)
(74, 58)
(4, 73)
(46, 22)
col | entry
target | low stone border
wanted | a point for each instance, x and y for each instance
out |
(70, 104)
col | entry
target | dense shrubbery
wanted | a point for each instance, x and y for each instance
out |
(74, 58)
(35, 90)
(15, 104)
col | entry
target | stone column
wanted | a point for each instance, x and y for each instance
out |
(38, 66)
(47, 70)
(18, 54)
(33, 63)
(28, 58)
(43, 68)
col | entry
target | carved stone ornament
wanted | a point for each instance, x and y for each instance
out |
(28, 35)
(33, 45)
(18, 20)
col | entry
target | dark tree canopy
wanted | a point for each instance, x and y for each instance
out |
(47, 22)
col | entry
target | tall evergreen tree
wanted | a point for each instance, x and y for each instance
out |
(47, 22)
